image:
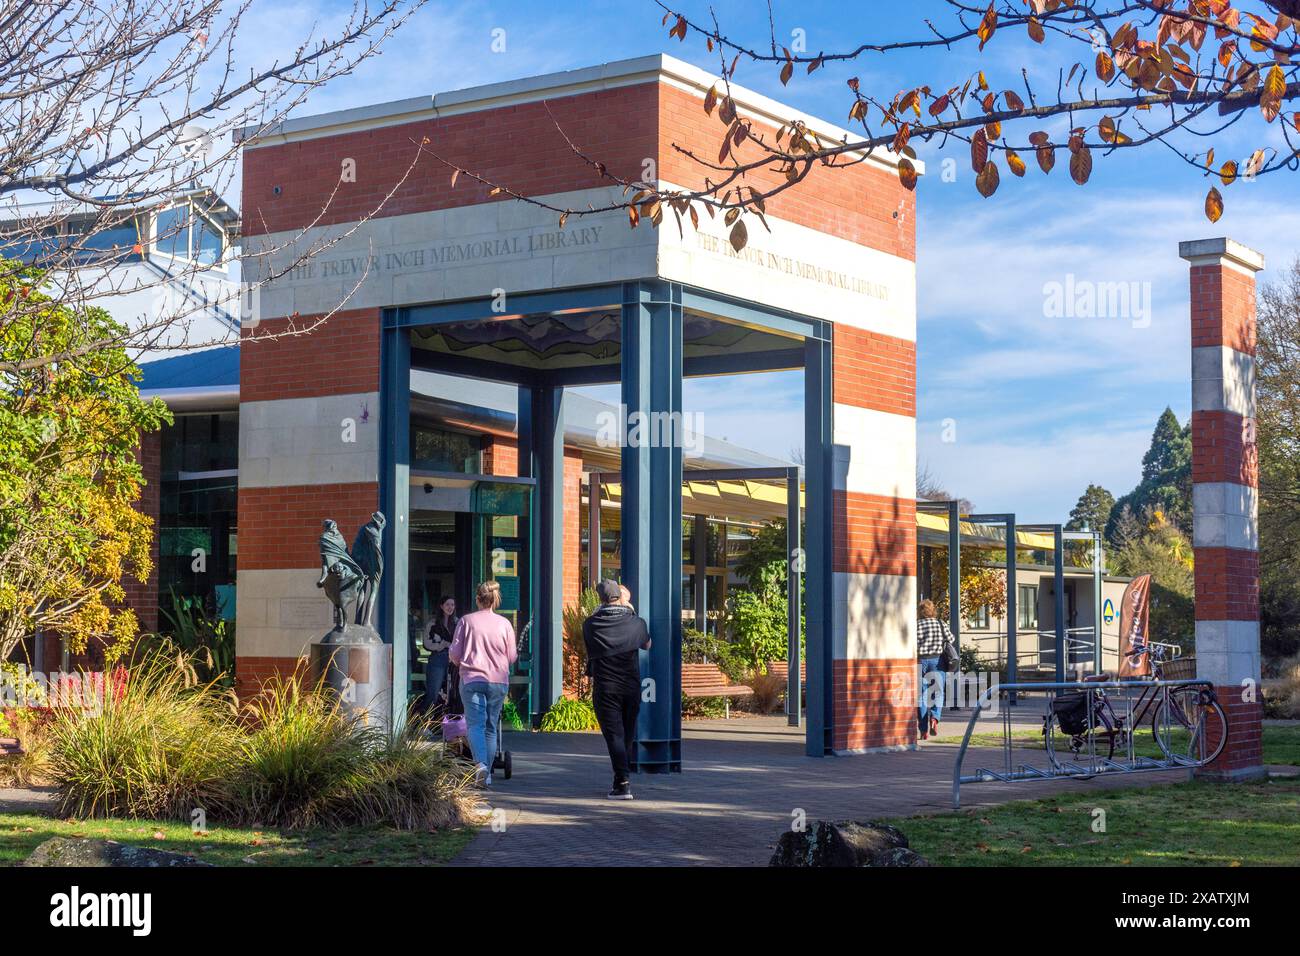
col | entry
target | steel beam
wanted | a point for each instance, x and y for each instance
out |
(652, 508)
(395, 503)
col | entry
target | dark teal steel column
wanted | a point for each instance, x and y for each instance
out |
(652, 507)
(954, 571)
(395, 503)
(1058, 587)
(819, 591)
(541, 456)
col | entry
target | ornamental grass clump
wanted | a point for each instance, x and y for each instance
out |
(165, 745)
(157, 745)
(306, 761)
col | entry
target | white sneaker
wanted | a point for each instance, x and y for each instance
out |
(482, 775)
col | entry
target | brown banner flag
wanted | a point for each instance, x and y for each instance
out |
(1134, 656)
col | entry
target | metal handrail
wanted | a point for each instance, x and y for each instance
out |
(1138, 764)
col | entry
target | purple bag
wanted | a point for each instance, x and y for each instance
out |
(453, 728)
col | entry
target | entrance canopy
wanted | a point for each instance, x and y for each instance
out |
(576, 338)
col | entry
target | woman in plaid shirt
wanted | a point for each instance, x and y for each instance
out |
(931, 635)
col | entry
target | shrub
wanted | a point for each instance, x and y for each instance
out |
(158, 746)
(511, 717)
(31, 767)
(570, 714)
(293, 757)
(704, 707)
(768, 689)
(574, 616)
(1282, 694)
(701, 648)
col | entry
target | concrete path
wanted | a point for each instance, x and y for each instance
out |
(745, 778)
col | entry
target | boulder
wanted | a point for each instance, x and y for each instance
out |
(63, 851)
(845, 844)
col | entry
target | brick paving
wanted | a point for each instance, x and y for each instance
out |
(744, 779)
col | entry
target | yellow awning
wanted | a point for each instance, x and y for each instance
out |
(976, 535)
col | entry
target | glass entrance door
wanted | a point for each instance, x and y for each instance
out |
(466, 529)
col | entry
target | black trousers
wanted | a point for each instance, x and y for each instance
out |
(616, 711)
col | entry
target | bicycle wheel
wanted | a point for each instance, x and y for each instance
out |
(1083, 751)
(1189, 726)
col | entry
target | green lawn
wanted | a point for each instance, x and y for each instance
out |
(21, 833)
(1190, 824)
(1281, 744)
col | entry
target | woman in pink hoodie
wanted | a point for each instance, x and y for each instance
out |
(484, 648)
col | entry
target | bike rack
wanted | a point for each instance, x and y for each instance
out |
(1067, 770)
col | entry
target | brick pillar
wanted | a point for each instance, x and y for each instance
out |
(1225, 492)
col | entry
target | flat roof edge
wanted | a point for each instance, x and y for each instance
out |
(643, 69)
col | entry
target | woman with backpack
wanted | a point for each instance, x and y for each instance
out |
(932, 637)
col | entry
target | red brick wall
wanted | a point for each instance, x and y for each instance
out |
(874, 703)
(1223, 448)
(518, 145)
(874, 534)
(280, 527)
(874, 371)
(339, 356)
(252, 671)
(1223, 308)
(863, 203)
(1244, 748)
(572, 525)
(1227, 585)
(500, 456)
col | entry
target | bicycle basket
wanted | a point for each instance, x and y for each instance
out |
(1180, 668)
(1071, 712)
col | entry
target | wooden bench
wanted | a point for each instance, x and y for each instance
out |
(707, 680)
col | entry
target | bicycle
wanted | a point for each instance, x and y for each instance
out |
(1187, 723)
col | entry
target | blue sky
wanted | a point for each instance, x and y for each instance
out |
(1040, 405)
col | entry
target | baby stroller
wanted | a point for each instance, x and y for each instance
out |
(455, 735)
(502, 759)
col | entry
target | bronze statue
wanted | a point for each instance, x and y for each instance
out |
(347, 577)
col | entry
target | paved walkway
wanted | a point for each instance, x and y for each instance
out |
(744, 779)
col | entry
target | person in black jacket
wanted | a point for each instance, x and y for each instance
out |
(437, 642)
(614, 637)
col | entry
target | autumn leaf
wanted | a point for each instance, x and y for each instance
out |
(739, 235)
(939, 105)
(1036, 32)
(1213, 205)
(1081, 165)
(1015, 163)
(1014, 102)
(1229, 172)
(907, 173)
(1105, 68)
(988, 25)
(1046, 156)
(1270, 98)
(633, 217)
(711, 99)
(979, 151)
(987, 181)
(787, 71)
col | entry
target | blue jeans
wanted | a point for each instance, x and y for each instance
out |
(483, 703)
(435, 673)
(930, 693)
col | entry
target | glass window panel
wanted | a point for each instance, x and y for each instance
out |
(433, 449)
(172, 232)
(207, 242)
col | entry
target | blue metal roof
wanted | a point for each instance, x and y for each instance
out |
(205, 369)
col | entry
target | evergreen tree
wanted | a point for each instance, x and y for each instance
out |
(1092, 510)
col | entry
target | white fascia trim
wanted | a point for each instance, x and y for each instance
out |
(630, 72)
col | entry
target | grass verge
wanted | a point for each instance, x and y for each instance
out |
(1190, 824)
(20, 833)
